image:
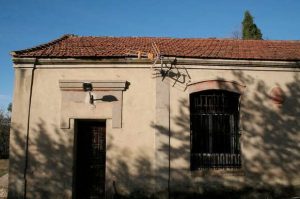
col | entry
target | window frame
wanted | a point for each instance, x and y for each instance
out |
(212, 159)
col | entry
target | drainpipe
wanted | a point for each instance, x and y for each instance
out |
(169, 174)
(27, 131)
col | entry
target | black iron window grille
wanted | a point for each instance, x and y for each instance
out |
(214, 116)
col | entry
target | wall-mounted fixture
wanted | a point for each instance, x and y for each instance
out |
(73, 100)
(88, 86)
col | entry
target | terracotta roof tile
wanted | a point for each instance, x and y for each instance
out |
(80, 47)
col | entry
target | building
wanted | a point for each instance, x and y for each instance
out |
(111, 116)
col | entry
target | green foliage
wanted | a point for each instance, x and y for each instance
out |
(250, 30)
(9, 108)
(4, 135)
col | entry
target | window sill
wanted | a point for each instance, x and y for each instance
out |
(218, 172)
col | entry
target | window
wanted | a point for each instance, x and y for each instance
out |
(214, 129)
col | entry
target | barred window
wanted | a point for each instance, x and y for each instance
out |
(214, 116)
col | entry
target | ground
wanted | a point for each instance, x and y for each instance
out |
(3, 167)
(3, 178)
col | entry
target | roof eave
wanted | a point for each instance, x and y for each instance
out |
(179, 61)
(19, 52)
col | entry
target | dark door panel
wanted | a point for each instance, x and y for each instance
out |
(90, 160)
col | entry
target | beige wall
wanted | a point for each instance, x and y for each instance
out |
(270, 134)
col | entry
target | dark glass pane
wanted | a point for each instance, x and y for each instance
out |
(200, 136)
(221, 134)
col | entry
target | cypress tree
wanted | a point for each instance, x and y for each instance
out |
(250, 30)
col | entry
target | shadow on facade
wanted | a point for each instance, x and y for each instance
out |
(49, 163)
(269, 142)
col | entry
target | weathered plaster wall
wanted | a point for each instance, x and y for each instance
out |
(270, 134)
(129, 149)
(19, 125)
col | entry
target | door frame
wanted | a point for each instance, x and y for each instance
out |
(75, 144)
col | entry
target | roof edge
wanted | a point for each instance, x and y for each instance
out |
(180, 61)
(63, 37)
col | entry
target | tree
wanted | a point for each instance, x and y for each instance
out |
(250, 30)
(4, 132)
(9, 108)
(236, 34)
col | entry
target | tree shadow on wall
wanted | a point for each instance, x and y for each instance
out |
(269, 144)
(49, 168)
(49, 164)
(125, 182)
(270, 136)
(270, 149)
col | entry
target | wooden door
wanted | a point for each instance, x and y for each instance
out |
(90, 160)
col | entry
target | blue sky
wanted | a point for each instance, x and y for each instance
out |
(26, 23)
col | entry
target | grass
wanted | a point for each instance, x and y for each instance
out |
(3, 167)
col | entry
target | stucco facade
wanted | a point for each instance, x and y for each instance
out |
(148, 125)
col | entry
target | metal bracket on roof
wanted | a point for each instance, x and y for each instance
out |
(139, 54)
(168, 67)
